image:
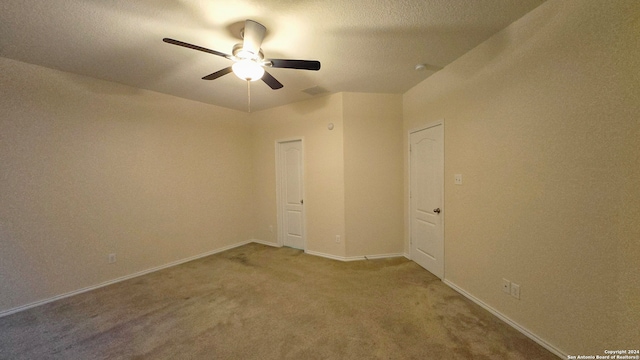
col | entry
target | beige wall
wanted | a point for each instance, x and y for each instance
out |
(542, 121)
(353, 173)
(323, 169)
(89, 167)
(373, 174)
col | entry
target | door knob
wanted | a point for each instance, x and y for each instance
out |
(437, 210)
(301, 202)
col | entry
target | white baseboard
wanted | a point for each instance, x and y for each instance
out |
(352, 258)
(545, 344)
(335, 257)
(117, 280)
(328, 256)
(372, 257)
(268, 243)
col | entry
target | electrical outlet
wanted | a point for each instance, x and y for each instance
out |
(337, 238)
(515, 290)
(112, 258)
(457, 179)
(506, 286)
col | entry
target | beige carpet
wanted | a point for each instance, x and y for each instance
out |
(259, 302)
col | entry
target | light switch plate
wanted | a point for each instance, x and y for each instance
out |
(515, 290)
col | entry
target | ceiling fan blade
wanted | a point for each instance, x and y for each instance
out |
(295, 64)
(218, 74)
(196, 47)
(253, 34)
(271, 81)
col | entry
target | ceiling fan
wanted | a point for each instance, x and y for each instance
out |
(248, 58)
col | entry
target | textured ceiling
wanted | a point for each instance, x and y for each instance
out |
(363, 45)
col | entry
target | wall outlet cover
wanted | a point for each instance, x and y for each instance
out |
(457, 179)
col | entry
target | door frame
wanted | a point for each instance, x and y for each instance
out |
(408, 183)
(280, 195)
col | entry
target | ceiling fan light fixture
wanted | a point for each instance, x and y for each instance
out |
(248, 70)
(248, 58)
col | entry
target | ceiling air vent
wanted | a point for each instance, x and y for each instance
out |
(315, 90)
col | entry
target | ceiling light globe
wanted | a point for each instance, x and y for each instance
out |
(248, 70)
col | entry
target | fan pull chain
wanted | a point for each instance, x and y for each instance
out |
(249, 95)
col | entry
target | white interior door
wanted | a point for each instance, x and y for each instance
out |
(290, 197)
(426, 205)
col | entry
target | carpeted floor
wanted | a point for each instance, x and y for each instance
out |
(259, 302)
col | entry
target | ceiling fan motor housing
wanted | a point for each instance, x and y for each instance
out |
(241, 54)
